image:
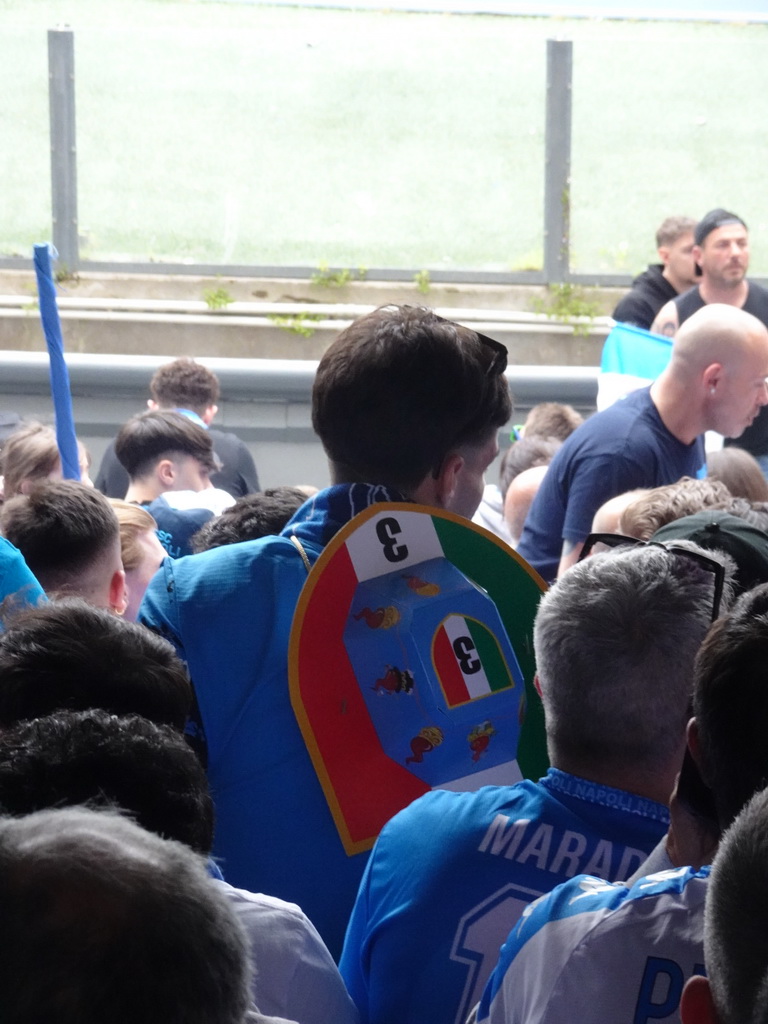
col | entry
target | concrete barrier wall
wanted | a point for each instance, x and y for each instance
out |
(265, 401)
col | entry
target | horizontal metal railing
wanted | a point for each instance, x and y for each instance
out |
(267, 402)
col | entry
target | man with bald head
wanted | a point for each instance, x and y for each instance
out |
(715, 380)
(721, 252)
(519, 497)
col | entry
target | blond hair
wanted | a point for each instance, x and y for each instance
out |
(662, 505)
(134, 521)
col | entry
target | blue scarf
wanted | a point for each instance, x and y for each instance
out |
(322, 516)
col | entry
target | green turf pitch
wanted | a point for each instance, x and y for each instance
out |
(241, 133)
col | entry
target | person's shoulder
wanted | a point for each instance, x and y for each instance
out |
(166, 511)
(618, 905)
(236, 563)
(259, 903)
(684, 304)
(225, 439)
(757, 293)
(601, 427)
(652, 273)
(9, 553)
(246, 552)
(443, 809)
(687, 295)
(589, 909)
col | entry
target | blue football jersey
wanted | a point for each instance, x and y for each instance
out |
(451, 873)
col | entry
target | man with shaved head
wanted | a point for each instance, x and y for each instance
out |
(715, 380)
(721, 253)
(518, 499)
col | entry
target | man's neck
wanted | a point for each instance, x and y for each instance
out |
(729, 294)
(651, 786)
(673, 405)
(141, 492)
(678, 283)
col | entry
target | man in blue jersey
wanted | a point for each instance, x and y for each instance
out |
(615, 642)
(595, 952)
(715, 381)
(407, 406)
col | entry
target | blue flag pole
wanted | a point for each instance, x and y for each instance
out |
(59, 374)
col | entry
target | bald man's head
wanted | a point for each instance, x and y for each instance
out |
(520, 495)
(608, 517)
(720, 356)
(717, 333)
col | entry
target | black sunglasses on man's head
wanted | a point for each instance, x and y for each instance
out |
(498, 363)
(617, 540)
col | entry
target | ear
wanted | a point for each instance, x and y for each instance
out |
(437, 489)
(118, 592)
(697, 254)
(663, 252)
(696, 1005)
(152, 404)
(208, 414)
(447, 479)
(165, 471)
(537, 683)
(694, 744)
(712, 376)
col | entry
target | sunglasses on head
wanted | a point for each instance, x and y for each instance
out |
(498, 363)
(617, 540)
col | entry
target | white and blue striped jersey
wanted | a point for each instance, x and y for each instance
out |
(597, 952)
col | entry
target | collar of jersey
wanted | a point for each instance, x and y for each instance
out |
(605, 796)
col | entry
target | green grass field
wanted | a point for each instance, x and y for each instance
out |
(239, 133)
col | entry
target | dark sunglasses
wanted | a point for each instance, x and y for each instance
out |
(498, 363)
(495, 367)
(616, 540)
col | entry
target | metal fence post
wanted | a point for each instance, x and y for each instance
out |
(557, 175)
(61, 97)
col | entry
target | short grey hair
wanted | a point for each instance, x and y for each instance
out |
(615, 641)
(736, 929)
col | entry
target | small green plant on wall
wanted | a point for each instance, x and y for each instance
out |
(63, 275)
(217, 298)
(422, 281)
(299, 323)
(324, 277)
(569, 304)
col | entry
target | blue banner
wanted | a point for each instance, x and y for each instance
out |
(60, 390)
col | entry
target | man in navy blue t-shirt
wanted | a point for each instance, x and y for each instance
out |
(716, 380)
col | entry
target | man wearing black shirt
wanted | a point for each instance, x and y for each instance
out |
(661, 281)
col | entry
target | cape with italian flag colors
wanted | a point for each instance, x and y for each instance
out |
(411, 664)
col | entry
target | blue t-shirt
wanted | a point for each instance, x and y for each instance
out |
(451, 873)
(593, 952)
(619, 449)
(17, 581)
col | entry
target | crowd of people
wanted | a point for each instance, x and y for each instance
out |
(167, 850)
